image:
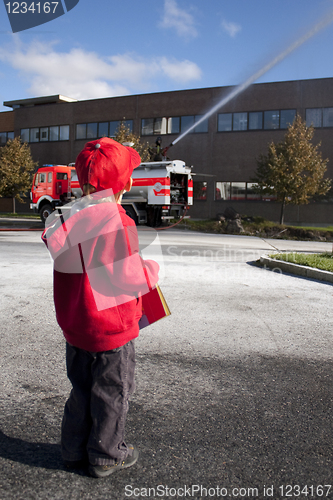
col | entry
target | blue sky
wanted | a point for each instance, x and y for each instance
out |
(106, 48)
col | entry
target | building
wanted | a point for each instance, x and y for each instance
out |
(223, 148)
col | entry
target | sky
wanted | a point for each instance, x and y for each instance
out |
(105, 48)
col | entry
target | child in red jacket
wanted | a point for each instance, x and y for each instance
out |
(99, 279)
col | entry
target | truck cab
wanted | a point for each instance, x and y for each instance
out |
(53, 185)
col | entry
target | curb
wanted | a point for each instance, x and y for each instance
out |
(11, 224)
(297, 269)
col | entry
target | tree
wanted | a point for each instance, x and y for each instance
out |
(293, 170)
(124, 135)
(16, 167)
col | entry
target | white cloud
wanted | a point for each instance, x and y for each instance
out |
(178, 19)
(182, 71)
(85, 75)
(231, 28)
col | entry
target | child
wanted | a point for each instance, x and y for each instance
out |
(99, 278)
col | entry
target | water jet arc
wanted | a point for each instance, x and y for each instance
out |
(319, 26)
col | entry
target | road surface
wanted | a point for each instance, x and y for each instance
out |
(234, 389)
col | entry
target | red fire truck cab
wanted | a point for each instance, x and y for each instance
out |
(53, 185)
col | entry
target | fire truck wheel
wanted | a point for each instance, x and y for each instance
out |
(45, 211)
(131, 213)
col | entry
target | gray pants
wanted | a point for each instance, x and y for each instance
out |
(93, 425)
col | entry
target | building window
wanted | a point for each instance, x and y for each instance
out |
(328, 117)
(160, 126)
(114, 126)
(25, 135)
(91, 130)
(239, 121)
(251, 194)
(186, 122)
(44, 134)
(199, 190)
(95, 130)
(238, 191)
(271, 120)
(54, 134)
(230, 191)
(64, 133)
(224, 122)
(153, 126)
(103, 129)
(255, 120)
(202, 127)
(287, 117)
(81, 130)
(6, 136)
(34, 135)
(314, 117)
(222, 190)
(173, 125)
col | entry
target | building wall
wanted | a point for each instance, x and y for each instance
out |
(223, 156)
(7, 121)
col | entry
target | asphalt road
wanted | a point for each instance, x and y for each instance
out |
(234, 389)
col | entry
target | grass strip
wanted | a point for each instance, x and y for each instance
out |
(322, 261)
(19, 216)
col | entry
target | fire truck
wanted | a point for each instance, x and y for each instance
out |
(161, 190)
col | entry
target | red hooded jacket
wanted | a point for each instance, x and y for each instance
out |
(99, 276)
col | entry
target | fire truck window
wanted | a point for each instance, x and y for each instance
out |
(42, 178)
(36, 180)
(74, 175)
(62, 176)
(49, 177)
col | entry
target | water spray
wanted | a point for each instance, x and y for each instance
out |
(240, 88)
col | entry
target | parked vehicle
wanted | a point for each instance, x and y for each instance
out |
(161, 191)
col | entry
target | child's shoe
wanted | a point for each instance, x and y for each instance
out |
(106, 470)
